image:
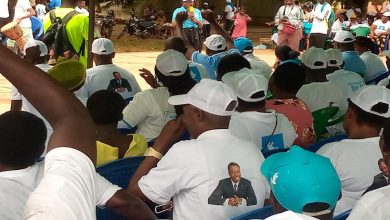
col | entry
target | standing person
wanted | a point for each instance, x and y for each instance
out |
(40, 9)
(81, 7)
(23, 12)
(289, 20)
(320, 29)
(230, 11)
(206, 25)
(192, 24)
(7, 11)
(240, 23)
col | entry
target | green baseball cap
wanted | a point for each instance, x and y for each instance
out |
(299, 177)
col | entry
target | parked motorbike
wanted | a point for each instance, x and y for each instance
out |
(138, 27)
(106, 24)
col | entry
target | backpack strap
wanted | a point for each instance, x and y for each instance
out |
(52, 15)
(69, 16)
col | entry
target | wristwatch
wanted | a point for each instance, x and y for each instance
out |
(151, 152)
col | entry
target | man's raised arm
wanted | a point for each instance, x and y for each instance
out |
(216, 29)
(71, 123)
(180, 18)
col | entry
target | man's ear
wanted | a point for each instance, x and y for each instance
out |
(113, 55)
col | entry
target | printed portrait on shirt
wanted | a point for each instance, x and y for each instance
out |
(234, 191)
(119, 84)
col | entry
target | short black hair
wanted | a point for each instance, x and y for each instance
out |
(251, 105)
(285, 52)
(233, 164)
(289, 77)
(22, 138)
(365, 42)
(370, 119)
(381, 161)
(230, 63)
(105, 107)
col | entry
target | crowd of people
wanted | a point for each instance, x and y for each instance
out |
(204, 127)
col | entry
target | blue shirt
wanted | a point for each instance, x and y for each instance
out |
(211, 62)
(54, 4)
(353, 63)
(188, 23)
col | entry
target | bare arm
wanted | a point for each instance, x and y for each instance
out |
(216, 29)
(72, 124)
(180, 18)
(31, 13)
(171, 132)
(129, 206)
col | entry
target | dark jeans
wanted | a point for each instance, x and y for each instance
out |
(317, 40)
(193, 37)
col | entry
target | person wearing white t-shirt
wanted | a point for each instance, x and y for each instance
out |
(230, 10)
(320, 28)
(355, 158)
(150, 110)
(375, 204)
(252, 121)
(40, 9)
(319, 93)
(245, 46)
(81, 7)
(380, 26)
(373, 62)
(189, 172)
(69, 172)
(106, 75)
(23, 12)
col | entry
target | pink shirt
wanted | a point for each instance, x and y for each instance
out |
(300, 118)
(240, 28)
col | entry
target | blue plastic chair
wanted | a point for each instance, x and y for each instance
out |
(118, 172)
(377, 79)
(260, 213)
(342, 216)
(272, 152)
(316, 146)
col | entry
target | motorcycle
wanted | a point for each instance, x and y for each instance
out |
(106, 24)
(138, 27)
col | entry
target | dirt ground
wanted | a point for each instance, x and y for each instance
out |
(132, 61)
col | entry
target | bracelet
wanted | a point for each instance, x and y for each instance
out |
(151, 152)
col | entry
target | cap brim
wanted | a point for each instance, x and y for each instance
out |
(178, 100)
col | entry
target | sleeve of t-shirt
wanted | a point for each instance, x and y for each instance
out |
(203, 71)
(137, 110)
(174, 14)
(361, 212)
(198, 57)
(167, 179)
(198, 15)
(104, 190)
(15, 94)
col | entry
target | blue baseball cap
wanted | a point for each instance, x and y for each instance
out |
(242, 43)
(299, 177)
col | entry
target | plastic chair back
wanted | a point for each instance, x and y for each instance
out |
(342, 216)
(118, 172)
(377, 79)
(260, 213)
(316, 146)
(321, 118)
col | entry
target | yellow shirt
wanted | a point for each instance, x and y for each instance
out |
(76, 29)
(106, 153)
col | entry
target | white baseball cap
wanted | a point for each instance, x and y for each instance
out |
(209, 95)
(42, 47)
(335, 57)
(102, 46)
(369, 96)
(387, 14)
(172, 63)
(247, 82)
(215, 42)
(344, 37)
(314, 58)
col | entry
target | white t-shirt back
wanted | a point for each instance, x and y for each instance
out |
(319, 95)
(356, 163)
(4, 9)
(40, 10)
(320, 21)
(374, 65)
(102, 78)
(149, 111)
(373, 205)
(191, 172)
(381, 27)
(348, 82)
(21, 10)
(259, 64)
(70, 188)
(257, 127)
